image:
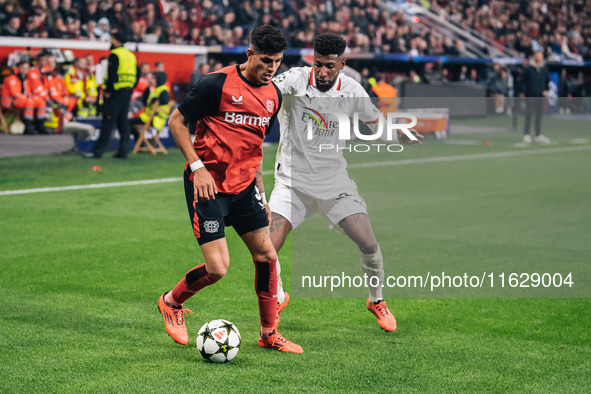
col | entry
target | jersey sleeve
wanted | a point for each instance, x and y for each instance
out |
(369, 114)
(280, 102)
(204, 98)
(290, 81)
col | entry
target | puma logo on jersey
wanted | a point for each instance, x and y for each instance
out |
(237, 100)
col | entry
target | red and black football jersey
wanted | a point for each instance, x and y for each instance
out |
(233, 116)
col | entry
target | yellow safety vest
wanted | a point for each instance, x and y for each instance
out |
(160, 116)
(127, 71)
(73, 83)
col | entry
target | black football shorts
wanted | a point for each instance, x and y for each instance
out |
(244, 211)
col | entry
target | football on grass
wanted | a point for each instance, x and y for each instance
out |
(218, 341)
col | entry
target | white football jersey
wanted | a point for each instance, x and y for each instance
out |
(309, 127)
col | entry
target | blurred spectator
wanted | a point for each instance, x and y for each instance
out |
(449, 48)
(496, 87)
(118, 18)
(8, 10)
(473, 77)
(17, 93)
(558, 27)
(54, 12)
(91, 12)
(414, 77)
(31, 28)
(198, 73)
(534, 85)
(156, 93)
(136, 32)
(102, 30)
(38, 87)
(246, 16)
(159, 66)
(82, 85)
(386, 94)
(577, 89)
(73, 27)
(88, 29)
(13, 27)
(463, 75)
(64, 102)
(434, 73)
(67, 10)
(193, 37)
(142, 84)
(564, 93)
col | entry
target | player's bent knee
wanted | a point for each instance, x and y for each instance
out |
(217, 269)
(368, 247)
(267, 256)
(217, 273)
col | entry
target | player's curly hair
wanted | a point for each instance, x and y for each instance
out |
(329, 44)
(268, 40)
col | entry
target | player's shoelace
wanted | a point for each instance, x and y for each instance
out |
(382, 309)
(179, 315)
(278, 340)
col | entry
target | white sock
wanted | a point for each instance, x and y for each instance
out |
(373, 266)
(280, 291)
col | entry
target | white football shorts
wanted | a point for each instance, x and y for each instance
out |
(297, 206)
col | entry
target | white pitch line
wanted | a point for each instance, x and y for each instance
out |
(91, 186)
(462, 142)
(438, 159)
(492, 155)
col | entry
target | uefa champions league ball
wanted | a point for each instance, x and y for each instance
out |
(218, 341)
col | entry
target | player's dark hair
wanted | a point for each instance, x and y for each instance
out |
(268, 40)
(329, 44)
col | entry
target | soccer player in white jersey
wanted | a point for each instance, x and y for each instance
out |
(318, 180)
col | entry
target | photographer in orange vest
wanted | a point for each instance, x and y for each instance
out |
(386, 94)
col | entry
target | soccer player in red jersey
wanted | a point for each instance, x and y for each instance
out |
(234, 108)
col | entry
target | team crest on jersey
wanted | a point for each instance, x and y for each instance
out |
(211, 226)
(270, 106)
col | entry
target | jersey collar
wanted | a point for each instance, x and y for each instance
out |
(312, 82)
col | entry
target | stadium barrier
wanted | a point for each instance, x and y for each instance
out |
(468, 99)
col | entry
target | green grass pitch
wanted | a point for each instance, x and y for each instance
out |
(81, 271)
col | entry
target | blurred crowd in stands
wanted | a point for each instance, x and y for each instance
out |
(560, 27)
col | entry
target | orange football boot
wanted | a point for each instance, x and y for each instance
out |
(385, 318)
(276, 341)
(174, 321)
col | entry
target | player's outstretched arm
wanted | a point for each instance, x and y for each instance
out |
(203, 183)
